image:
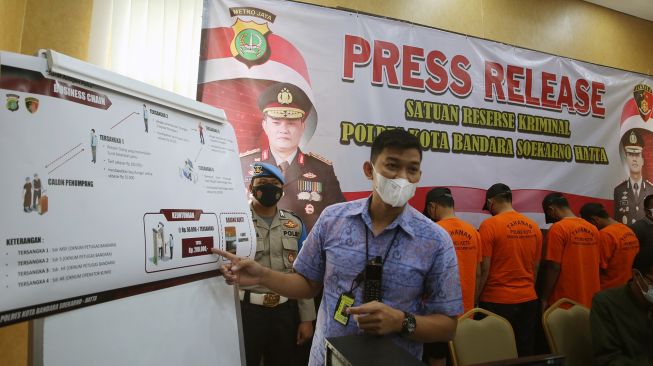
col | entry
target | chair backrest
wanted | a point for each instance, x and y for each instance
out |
(485, 340)
(567, 327)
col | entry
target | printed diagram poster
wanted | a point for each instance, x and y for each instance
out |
(103, 191)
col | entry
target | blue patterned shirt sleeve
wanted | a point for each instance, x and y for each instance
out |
(310, 261)
(442, 284)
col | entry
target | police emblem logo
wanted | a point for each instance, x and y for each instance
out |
(32, 104)
(290, 225)
(250, 45)
(257, 169)
(291, 256)
(12, 102)
(643, 96)
(633, 138)
(284, 96)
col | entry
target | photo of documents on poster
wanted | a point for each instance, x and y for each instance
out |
(105, 190)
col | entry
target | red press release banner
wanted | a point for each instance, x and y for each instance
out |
(484, 112)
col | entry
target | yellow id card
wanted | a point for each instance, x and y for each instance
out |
(340, 315)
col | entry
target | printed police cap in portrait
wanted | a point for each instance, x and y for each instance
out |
(285, 101)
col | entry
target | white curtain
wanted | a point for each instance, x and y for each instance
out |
(154, 41)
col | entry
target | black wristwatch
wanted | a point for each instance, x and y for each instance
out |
(409, 325)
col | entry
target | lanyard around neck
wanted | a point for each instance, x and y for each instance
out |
(385, 257)
(359, 278)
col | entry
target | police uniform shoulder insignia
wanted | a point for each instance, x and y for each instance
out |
(250, 152)
(290, 224)
(320, 158)
(286, 214)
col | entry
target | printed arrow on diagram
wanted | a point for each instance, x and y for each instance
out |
(65, 161)
(60, 157)
(119, 122)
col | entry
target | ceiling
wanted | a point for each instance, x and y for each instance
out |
(638, 8)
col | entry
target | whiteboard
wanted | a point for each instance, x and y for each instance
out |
(197, 324)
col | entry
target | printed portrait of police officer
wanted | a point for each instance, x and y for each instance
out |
(629, 195)
(311, 184)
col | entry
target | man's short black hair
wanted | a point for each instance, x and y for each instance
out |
(644, 260)
(556, 199)
(398, 138)
(499, 191)
(648, 200)
(440, 195)
(503, 197)
(593, 209)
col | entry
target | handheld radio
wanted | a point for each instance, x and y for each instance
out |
(372, 281)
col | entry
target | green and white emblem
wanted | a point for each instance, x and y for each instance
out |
(251, 44)
(12, 102)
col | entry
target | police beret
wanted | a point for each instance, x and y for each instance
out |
(267, 170)
(284, 100)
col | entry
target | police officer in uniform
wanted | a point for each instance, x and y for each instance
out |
(273, 325)
(311, 184)
(629, 195)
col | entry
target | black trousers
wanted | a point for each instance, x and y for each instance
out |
(270, 333)
(523, 317)
(436, 351)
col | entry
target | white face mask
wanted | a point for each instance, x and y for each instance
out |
(648, 295)
(395, 192)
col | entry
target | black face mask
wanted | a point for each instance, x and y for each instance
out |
(267, 194)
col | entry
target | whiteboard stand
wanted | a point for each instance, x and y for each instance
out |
(197, 323)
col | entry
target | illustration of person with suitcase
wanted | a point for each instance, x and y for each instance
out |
(27, 195)
(36, 183)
